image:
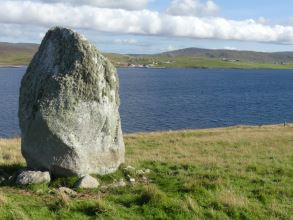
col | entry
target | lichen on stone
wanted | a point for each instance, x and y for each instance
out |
(68, 94)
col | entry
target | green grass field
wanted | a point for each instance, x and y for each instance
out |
(227, 173)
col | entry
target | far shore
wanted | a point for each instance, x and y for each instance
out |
(234, 127)
(12, 66)
(195, 67)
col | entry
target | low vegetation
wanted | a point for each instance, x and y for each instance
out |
(229, 173)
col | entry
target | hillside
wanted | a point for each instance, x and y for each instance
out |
(21, 54)
(227, 173)
(16, 54)
(247, 56)
(206, 58)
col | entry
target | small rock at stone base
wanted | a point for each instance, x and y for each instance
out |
(140, 172)
(67, 191)
(130, 179)
(87, 182)
(144, 179)
(121, 183)
(33, 177)
(147, 171)
(40, 192)
(129, 168)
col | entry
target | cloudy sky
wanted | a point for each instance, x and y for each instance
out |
(151, 26)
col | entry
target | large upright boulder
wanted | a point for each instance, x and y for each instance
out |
(68, 108)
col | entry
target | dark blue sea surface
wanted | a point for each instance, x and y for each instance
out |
(171, 99)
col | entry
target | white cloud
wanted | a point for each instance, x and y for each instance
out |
(120, 4)
(291, 20)
(126, 41)
(192, 8)
(143, 22)
(15, 32)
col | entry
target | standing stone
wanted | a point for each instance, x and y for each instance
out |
(68, 108)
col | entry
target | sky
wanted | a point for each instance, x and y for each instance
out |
(153, 26)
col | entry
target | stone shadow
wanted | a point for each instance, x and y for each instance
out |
(8, 173)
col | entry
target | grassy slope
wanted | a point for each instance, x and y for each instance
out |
(192, 62)
(21, 54)
(229, 173)
(195, 62)
(15, 59)
(16, 54)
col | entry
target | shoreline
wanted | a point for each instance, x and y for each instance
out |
(196, 68)
(206, 68)
(211, 129)
(233, 127)
(12, 66)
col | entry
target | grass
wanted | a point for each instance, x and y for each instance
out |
(16, 54)
(11, 59)
(227, 173)
(10, 152)
(14, 60)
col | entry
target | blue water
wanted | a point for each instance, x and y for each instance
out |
(170, 99)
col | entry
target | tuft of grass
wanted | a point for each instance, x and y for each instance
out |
(3, 200)
(102, 207)
(151, 194)
(192, 205)
(232, 199)
(19, 214)
(10, 152)
(62, 202)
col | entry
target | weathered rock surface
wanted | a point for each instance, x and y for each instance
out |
(115, 184)
(87, 182)
(130, 179)
(33, 177)
(67, 191)
(121, 183)
(68, 108)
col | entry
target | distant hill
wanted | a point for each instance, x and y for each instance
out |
(22, 53)
(16, 54)
(17, 47)
(249, 56)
